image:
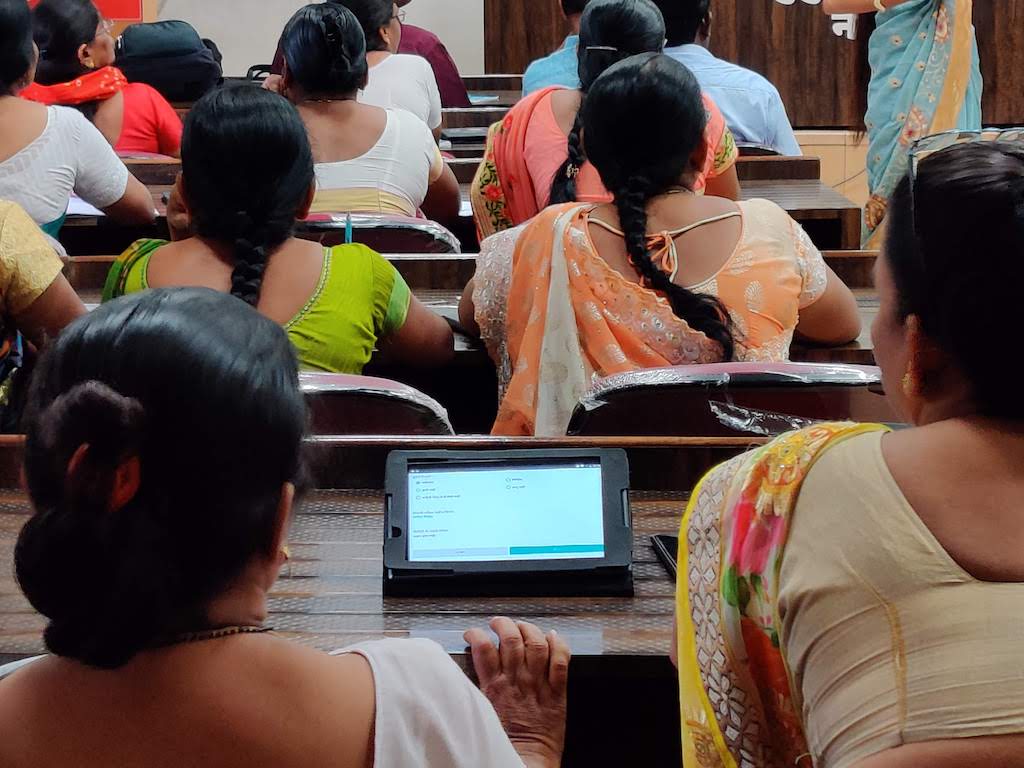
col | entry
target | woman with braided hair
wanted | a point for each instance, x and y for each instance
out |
(247, 176)
(660, 276)
(535, 157)
(368, 159)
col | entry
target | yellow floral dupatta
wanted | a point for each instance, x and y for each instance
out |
(737, 705)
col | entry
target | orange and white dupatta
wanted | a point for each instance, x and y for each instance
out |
(737, 703)
(553, 315)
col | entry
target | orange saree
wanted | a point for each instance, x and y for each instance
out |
(556, 315)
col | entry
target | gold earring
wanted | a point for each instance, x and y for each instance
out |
(286, 552)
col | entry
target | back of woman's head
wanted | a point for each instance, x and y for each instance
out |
(203, 391)
(951, 242)
(373, 15)
(610, 31)
(60, 28)
(247, 171)
(16, 52)
(640, 159)
(325, 50)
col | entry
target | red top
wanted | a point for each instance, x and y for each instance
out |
(150, 124)
(428, 45)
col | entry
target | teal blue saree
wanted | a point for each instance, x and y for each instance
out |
(925, 78)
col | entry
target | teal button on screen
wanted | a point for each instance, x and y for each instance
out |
(564, 549)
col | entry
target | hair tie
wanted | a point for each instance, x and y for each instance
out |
(572, 171)
(610, 48)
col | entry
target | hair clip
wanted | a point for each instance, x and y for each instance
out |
(610, 48)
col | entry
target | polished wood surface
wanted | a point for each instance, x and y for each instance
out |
(815, 71)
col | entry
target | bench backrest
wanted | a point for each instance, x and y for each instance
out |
(764, 399)
(341, 404)
(384, 234)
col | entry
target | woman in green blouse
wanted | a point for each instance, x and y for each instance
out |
(247, 176)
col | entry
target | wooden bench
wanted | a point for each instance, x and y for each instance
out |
(471, 117)
(451, 272)
(155, 170)
(164, 171)
(748, 169)
(329, 596)
(492, 83)
(832, 220)
(495, 98)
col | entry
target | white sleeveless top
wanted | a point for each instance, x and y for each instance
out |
(429, 715)
(392, 177)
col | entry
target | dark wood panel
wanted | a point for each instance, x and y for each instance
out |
(1000, 26)
(816, 72)
(518, 31)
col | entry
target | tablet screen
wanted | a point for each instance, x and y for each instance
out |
(550, 510)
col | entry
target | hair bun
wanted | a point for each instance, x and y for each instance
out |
(93, 414)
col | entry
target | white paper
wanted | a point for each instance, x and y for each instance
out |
(78, 207)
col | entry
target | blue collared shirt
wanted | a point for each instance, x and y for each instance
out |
(750, 104)
(560, 68)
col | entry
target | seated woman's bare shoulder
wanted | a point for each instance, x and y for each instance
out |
(249, 700)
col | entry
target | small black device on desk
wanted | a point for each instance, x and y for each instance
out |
(667, 549)
(518, 522)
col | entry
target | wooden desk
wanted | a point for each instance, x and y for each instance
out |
(505, 97)
(154, 171)
(491, 83)
(832, 220)
(472, 117)
(329, 597)
(749, 169)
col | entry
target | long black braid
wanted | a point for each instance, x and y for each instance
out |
(639, 160)
(701, 311)
(253, 245)
(247, 170)
(610, 31)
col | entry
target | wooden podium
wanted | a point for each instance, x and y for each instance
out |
(794, 46)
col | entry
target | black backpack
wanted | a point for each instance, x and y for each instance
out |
(171, 57)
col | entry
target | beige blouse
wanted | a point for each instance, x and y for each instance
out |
(889, 641)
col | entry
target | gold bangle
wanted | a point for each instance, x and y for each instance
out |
(881, 8)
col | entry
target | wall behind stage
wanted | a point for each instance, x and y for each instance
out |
(793, 46)
(247, 30)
